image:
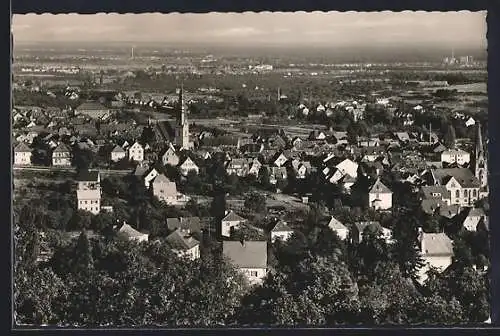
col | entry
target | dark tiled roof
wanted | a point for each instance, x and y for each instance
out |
(177, 241)
(193, 224)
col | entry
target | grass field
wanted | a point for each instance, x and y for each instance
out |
(473, 87)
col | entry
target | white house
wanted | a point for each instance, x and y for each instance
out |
(348, 167)
(436, 251)
(164, 189)
(136, 152)
(118, 153)
(170, 157)
(249, 257)
(281, 231)
(187, 166)
(474, 217)
(61, 156)
(340, 229)
(184, 246)
(280, 160)
(230, 222)
(458, 156)
(88, 193)
(22, 154)
(379, 196)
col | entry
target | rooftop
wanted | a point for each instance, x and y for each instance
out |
(248, 254)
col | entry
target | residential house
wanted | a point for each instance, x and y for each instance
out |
(281, 231)
(254, 167)
(61, 156)
(277, 173)
(126, 232)
(280, 160)
(474, 217)
(238, 167)
(118, 153)
(230, 222)
(170, 157)
(22, 154)
(187, 225)
(457, 156)
(340, 229)
(88, 191)
(348, 167)
(436, 250)
(187, 166)
(92, 109)
(184, 245)
(136, 152)
(164, 189)
(436, 192)
(151, 174)
(249, 257)
(379, 196)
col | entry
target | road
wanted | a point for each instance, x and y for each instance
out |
(70, 169)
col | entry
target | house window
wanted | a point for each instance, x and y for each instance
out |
(253, 273)
(465, 193)
(85, 202)
(457, 193)
(474, 193)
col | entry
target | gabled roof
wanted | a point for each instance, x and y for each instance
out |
(281, 226)
(335, 224)
(249, 254)
(463, 176)
(476, 212)
(22, 147)
(233, 217)
(118, 149)
(161, 179)
(436, 244)
(178, 242)
(62, 148)
(361, 226)
(91, 105)
(129, 232)
(379, 188)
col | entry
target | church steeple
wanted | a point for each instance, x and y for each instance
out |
(182, 107)
(480, 160)
(182, 128)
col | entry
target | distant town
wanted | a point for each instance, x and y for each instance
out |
(174, 188)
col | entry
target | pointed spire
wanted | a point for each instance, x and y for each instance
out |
(479, 140)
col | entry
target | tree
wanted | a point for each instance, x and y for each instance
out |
(449, 137)
(255, 202)
(264, 178)
(83, 159)
(83, 261)
(320, 292)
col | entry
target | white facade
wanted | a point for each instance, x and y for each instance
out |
(282, 235)
(455, 156)
(136, 152)
(61, 159)
(254, 276)
(22, 158)
(170, 158)
(117, 156)
(193, 253)
(380, 201)
(461, 196)
(439, 262)
(227, 226)
(187, 166)
(89, 200)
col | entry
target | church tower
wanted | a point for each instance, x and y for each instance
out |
(480, 159)
(182, 127)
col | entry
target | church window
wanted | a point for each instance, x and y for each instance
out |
(457, 193)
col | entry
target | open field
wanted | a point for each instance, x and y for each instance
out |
(473, 87)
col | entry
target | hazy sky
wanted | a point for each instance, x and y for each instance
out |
(466, 29)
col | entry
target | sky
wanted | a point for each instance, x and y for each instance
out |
(333, 29)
